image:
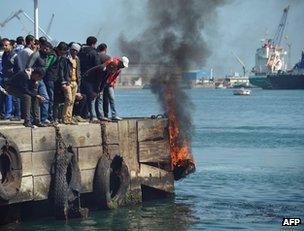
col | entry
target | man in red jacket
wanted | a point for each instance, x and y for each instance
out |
(97, 78)
(108, 93)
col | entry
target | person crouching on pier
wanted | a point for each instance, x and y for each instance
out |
(108, 93)
(24, 85)
(97, 78)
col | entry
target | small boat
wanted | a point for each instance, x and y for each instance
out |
(242, 91)
(220, 86)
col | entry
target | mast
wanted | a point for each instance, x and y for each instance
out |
(36, 19)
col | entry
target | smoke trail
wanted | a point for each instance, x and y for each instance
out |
(174, 40)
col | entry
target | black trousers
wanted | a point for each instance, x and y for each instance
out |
(81, 107)
(28, 103)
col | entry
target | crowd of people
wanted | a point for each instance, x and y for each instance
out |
(69, 83)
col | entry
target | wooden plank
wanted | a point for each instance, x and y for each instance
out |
(44, 139)
(27, 166)
(22, 137)
(26, 192)
(42, 162)
(154, 152)
(152, 129)
(83, 135)
(87, 177)
(112, 133)
(135, 188)
(41, 187)
(133, 146)
(123, 128)
(156, 178)
(88, 157)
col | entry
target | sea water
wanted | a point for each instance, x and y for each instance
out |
(249, 153)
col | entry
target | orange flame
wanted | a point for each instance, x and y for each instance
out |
(179, 146)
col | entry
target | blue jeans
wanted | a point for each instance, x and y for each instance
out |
(50, 91)
(44, 105)
(99, 106)
(91, 93)
(109, 98)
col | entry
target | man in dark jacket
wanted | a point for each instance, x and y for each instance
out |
(39, 59)
(63, 73)
(9, 67)
(24, 86)
(88, 55)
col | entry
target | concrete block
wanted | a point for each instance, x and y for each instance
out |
(27, 166)
(42, 162)
(26, 192)
(41, 187)
(22, 137)
(83, 135)
(88, 157)
(112, 133)
(87, 177)
(44, 139)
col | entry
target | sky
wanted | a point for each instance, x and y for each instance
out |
(239, 26)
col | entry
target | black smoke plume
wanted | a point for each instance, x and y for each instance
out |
(174, 41)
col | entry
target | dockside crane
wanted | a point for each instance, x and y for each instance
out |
(240, 62)
(48, 29)
(276, 41)
(12, 16)
(17, 15)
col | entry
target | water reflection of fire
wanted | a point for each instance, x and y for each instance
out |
(181, 158)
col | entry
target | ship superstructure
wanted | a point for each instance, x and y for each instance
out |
(270, 57)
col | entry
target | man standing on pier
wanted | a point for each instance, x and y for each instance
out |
(89, 58)
(9, 67)
(24, 86)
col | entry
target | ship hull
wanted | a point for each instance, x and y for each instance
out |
(260, 81)
(286, 81)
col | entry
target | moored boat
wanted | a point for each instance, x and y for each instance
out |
(242, 91)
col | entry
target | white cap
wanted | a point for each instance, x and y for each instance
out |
(76, 47)
(125, 61)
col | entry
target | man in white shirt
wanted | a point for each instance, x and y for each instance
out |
(24, 54)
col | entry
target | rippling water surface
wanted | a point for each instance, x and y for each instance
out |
(249, 153)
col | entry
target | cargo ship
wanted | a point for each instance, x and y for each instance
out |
(270, 57)
(291, 79)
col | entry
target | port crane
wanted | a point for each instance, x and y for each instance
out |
(276, 41)
(240, 62)
(48, 29)
(17, 15)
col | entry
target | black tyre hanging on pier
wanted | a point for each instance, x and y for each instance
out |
(10, 169)
(66, 183)
(111, 181)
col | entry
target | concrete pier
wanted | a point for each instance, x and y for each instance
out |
(142, 142)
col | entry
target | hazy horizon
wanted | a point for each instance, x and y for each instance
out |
(238, 26)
